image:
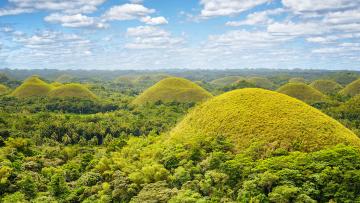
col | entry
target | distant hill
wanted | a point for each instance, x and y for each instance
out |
(302, 92)
(64, 78)
(297, 80)
(326, 86)
(32, 87)
(351, 89)
(56, 84)
(173, 89)
(72, 91)
(225, 81)
(262, 82)
(261, 121)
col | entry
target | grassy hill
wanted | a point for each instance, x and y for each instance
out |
(225, 81)
(64, 78)
(326, 86)
(302, 92)
(262, 82)
(32, 87)
(56, 84)
(297, 80)
(351, 89)
(173, 89)
(263, 121)
(72, 91)
(3, 89)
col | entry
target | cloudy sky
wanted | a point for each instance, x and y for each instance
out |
(154, 34)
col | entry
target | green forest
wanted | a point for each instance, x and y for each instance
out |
(179, 136)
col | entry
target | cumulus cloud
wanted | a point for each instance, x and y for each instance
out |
(127, 12)
(319, 5)
(257, 18)
(74, 21)
(66, 6)
(154, 21)
(150, 37)
(212, 8)
(296, 29)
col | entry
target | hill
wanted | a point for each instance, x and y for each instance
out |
(3, 89)
(225, 81)
(173, 89)
(351, 89)
(326, 86)
(72, 91)
(263, 120)
(297, 80)
(64, 78)
(262, 82)
(302, 92)
(32, 87)
(56, 84)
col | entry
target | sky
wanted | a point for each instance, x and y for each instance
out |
(186, 34)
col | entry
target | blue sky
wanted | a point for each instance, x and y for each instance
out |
(193, 34)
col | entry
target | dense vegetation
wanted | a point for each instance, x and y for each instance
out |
(249, 145)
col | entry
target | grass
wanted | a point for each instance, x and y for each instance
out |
(225, 81)
(297, 80)
(326, 86)
(3, 89)
(351, 89)
(262, 82)
(64, 78)
(32, 87)
(302, 92)
(173, 89)
(56, 84)
(72, 91)
(262, 118)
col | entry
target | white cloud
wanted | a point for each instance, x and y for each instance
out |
(150, 37)
(296, 29)
(212, 8)
(257, 18)
(343, 17)
(74, 21)
(154, 21)
(127, 12)
(319, 5)
(66, 6)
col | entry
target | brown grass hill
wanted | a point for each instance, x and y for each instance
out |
(297, 80)
(3, 89)
(72, 91)
(326, 86)
(351, 89)
(56, 84)
(262, 82)
(261, 121)
(32, 87)
(173, 89)
(302, 92)
(64, 78)
(225, 81)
